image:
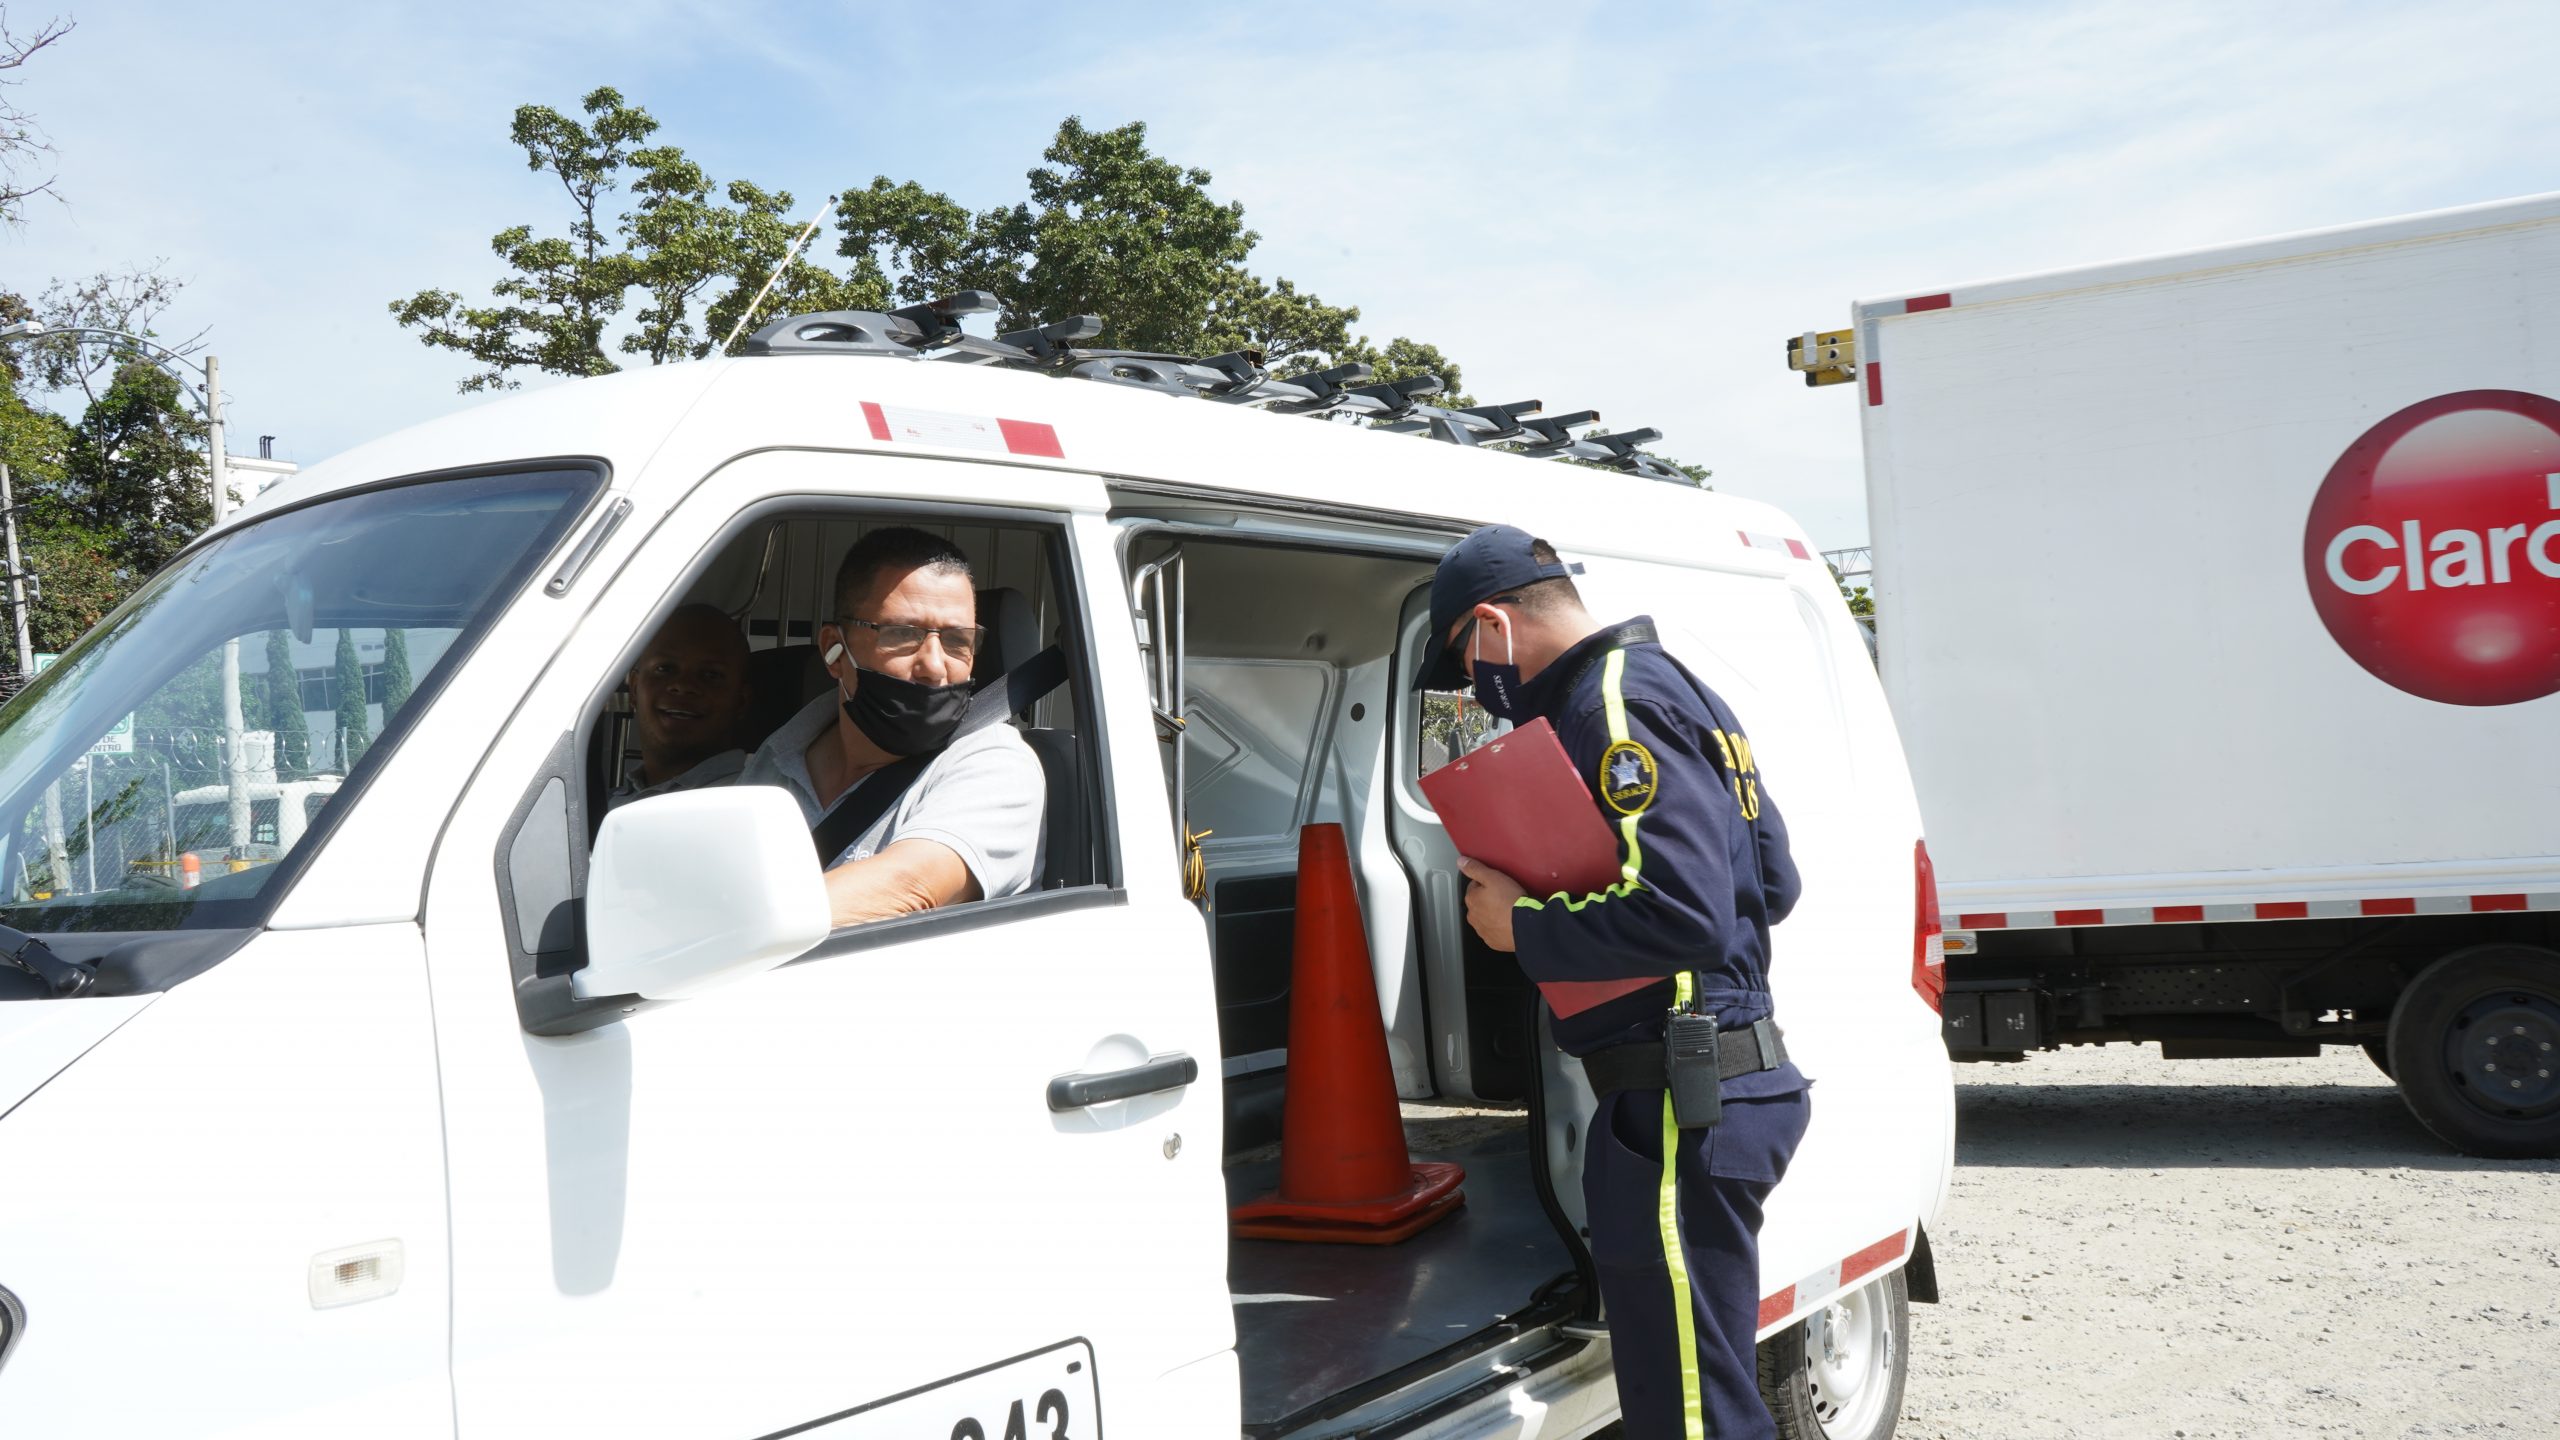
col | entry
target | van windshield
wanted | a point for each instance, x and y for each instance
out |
(155, 777)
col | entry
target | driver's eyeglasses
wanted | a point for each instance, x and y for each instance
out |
(958, 641)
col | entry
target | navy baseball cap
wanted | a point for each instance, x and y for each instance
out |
(1493, 560)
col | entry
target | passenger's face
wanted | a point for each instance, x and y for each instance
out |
(690, 689)
(938, 599)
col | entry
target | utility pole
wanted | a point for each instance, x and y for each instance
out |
(235, 763)
(17, 579)
(55, 851)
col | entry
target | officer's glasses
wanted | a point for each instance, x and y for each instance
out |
(960, 642)
(1467, 632)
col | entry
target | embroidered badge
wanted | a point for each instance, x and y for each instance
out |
(1627, 777)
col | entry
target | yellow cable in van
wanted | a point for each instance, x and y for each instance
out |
(1195, 866)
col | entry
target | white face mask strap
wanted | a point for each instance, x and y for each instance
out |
(1477, 645)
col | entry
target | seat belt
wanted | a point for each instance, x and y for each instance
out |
(1016, 690)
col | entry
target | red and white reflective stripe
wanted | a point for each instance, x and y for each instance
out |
(2330, 909)
(1873, 369)
(962, 432)
(1757, 541)
(1830, 1280)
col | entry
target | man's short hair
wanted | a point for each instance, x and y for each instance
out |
(899, 548)
(1548, 597)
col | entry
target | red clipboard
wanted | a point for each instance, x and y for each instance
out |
(1517, 804)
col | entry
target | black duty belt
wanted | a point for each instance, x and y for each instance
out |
(1639, 1064)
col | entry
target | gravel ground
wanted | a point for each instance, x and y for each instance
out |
(2230, 1248)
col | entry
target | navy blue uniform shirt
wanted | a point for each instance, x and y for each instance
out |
(1703, 853)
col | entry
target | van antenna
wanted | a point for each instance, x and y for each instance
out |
(787, 257)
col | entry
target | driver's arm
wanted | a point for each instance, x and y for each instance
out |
(905, 877)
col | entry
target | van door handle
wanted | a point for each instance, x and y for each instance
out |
(1164, 1072)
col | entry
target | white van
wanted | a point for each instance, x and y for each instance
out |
(411, 1134)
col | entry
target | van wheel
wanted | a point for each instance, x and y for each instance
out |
(1839, 1375)
(2475, 1045)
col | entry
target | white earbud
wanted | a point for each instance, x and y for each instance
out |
(835, 653)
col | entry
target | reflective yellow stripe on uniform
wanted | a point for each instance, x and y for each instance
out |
(1675, 1260)
(1613, 698)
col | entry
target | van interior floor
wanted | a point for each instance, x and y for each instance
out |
(1313, 1321)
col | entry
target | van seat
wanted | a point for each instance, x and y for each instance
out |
(1067, 854)
(779, 682)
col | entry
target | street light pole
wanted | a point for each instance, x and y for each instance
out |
(235, 765)
(56, 853)
(17, 579)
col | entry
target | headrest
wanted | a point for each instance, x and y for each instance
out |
(779, 682)
(1013, 632)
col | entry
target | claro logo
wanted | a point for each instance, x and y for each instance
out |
(2433, 551)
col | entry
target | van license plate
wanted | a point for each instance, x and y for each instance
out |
(1046, 1395)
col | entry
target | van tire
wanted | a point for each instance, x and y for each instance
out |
(2446, 1036)
(1838, 1374)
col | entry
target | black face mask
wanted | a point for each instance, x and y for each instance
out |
(903, 717)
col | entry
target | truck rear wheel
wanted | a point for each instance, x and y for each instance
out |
(2473, 1046)
(1839, 1374)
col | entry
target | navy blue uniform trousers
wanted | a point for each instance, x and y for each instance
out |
(1707, 1237)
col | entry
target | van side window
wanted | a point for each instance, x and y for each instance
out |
(1449, 724)
(745, 631)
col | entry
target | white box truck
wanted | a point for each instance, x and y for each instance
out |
(2219, 598)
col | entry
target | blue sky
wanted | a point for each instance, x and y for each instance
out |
(1622, 207)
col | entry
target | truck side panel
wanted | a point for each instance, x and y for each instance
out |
(2091, 497)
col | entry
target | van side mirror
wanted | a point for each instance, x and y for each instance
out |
(696, 889)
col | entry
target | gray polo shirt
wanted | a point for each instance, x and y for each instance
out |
(983, 798)
(720, 769)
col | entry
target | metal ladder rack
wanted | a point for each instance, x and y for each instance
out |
(931, 331)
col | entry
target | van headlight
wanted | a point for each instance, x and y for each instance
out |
(13, 1322)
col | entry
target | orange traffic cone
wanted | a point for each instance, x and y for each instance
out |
(1345, 1175)
(190, 871)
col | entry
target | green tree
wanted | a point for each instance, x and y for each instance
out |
(656, 250)
(1110, 229)
(693, 261)
(1404, 359)
(280, 709)
(1861, 603)
(1105, 227)
(111, 495)
(1294, 331)
(134, 473)
(396, 683)
(348, 676)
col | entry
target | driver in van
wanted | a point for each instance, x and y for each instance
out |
(1699, 1109)
(688, 693)
(936, 816)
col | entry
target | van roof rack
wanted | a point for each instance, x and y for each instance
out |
(931, 331)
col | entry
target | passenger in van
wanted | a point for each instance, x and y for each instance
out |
(688, 693)
(952, 816)
(1701, 1130)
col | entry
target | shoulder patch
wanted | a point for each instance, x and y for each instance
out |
(1627, 777)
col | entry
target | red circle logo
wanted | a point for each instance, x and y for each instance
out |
(2433, 550)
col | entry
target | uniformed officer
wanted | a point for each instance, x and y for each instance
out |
(1704, 872)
